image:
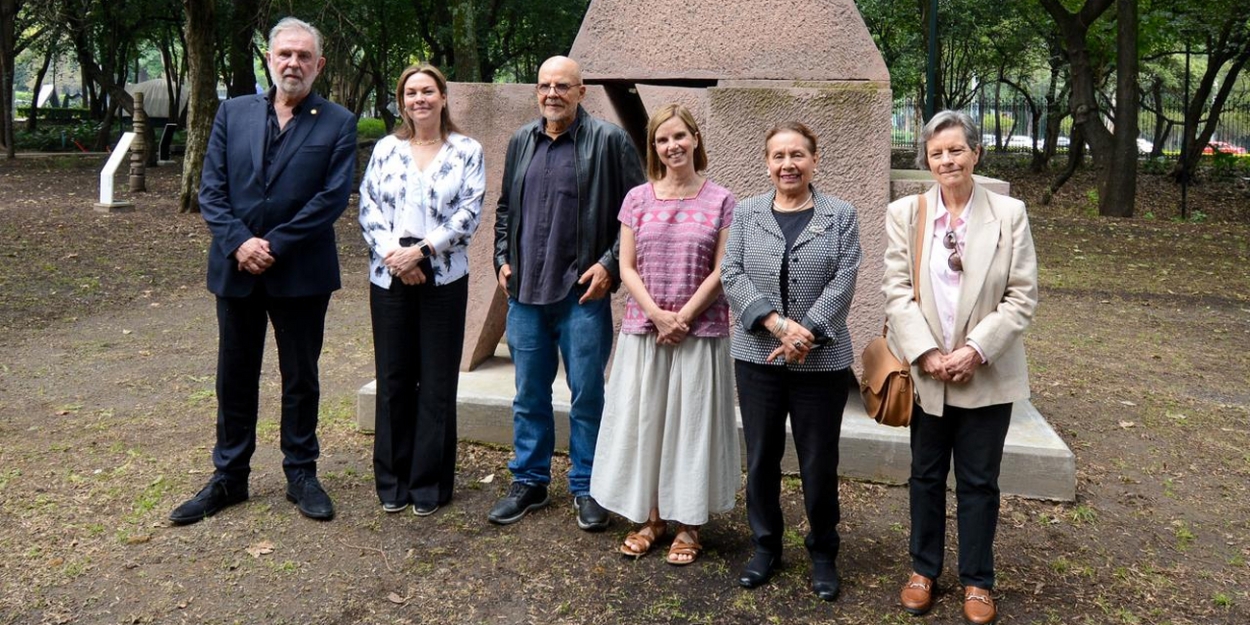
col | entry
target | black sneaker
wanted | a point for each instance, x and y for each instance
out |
(590, 515)
(218, 495)
(391, 507)
(520, 500)
(313, 502)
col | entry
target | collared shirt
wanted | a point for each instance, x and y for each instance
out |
(549, 211)
(945, 281)
(275, 133)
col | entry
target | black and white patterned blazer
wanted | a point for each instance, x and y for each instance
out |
(824, 263)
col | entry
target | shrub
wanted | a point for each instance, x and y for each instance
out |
(56, 114)
(370, 128)
(58, 138)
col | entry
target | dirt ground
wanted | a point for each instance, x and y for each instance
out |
(1140, 355)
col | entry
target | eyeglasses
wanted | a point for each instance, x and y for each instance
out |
(558, 88)
(953, 261)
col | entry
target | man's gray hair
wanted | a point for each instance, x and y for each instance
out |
(292, 23)
(942, 121)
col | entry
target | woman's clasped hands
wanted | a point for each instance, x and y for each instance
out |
(956, 367)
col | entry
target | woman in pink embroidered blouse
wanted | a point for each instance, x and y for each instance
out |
(668, 443)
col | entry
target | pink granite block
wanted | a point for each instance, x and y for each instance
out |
(650, 40)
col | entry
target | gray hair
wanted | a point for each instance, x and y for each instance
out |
(293, 23)
(942, 121)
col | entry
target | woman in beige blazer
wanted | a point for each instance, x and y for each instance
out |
(964, 339)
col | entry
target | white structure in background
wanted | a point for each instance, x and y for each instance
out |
(106, 203)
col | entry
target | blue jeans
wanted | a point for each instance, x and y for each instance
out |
(583, 335)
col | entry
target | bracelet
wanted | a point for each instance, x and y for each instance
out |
(780, 326)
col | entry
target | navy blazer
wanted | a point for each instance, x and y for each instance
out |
(293, 207)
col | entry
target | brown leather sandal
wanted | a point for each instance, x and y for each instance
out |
(645, 536)
(690, 548)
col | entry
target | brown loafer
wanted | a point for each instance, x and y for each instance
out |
(979, 606)
(917, 595)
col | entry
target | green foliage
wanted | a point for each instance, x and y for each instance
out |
(370, 128)
(74, 114)
(1225, 166)
(56, 138)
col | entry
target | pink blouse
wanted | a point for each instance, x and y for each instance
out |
(675, 244)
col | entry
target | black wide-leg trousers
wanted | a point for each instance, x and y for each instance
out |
(418, 335)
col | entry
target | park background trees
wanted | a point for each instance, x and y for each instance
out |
(1090, 77)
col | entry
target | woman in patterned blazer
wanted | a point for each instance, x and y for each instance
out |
(789, 273)
(420, 202)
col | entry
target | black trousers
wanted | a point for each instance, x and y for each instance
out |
(975, 436)
(299, 329)
(814, 401)
(418, 336)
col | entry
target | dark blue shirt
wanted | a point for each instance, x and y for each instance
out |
(549, 208)
(275, 134)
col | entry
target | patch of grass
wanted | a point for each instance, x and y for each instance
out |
(1184, 535)
(201, 396)
(8, 476)
(1084, 514)
(267, 428)
(1061, 565)
(1222, 600)
(147, 500)
(286, 566)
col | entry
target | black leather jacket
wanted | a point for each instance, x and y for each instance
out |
(607, 168)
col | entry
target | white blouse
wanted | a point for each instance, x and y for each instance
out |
(441, 204)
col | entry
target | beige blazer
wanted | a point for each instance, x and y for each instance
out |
(996, 302)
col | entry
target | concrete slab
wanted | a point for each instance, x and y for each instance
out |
(1036, 463)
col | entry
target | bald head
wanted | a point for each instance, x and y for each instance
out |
(562, 64)
(560, 90)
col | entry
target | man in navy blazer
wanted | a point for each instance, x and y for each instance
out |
(277, 175)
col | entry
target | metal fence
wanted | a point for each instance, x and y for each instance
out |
(1013, 131)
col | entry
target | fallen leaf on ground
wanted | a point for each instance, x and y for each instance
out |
(1127, 424)
(261, 548)
(1127, 403)
(396, 599)
(488, 479)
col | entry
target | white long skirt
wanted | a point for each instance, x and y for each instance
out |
(669, 438)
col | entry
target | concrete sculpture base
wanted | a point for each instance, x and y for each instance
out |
(1036, 463)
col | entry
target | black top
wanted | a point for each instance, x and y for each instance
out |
(792, 224)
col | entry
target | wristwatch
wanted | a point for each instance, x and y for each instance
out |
(426, 250)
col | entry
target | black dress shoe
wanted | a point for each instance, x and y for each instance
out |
(590, 515)
(520, 500)
(825, 580)
(218, 495)
(759, 570)
(313, 502)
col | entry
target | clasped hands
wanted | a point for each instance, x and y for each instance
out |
(956, 367)
(796, 340)
(404, 263)
(254, 256)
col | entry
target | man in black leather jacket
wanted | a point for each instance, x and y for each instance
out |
(556, 243)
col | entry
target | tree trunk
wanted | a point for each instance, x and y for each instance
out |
(8, 55)
(1074, 28)
(201, 54)
(464, 41)
(1120, 185)
(242, 30)
(32, 120)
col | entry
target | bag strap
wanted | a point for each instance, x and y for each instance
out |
(918, 246)
(919, 249)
